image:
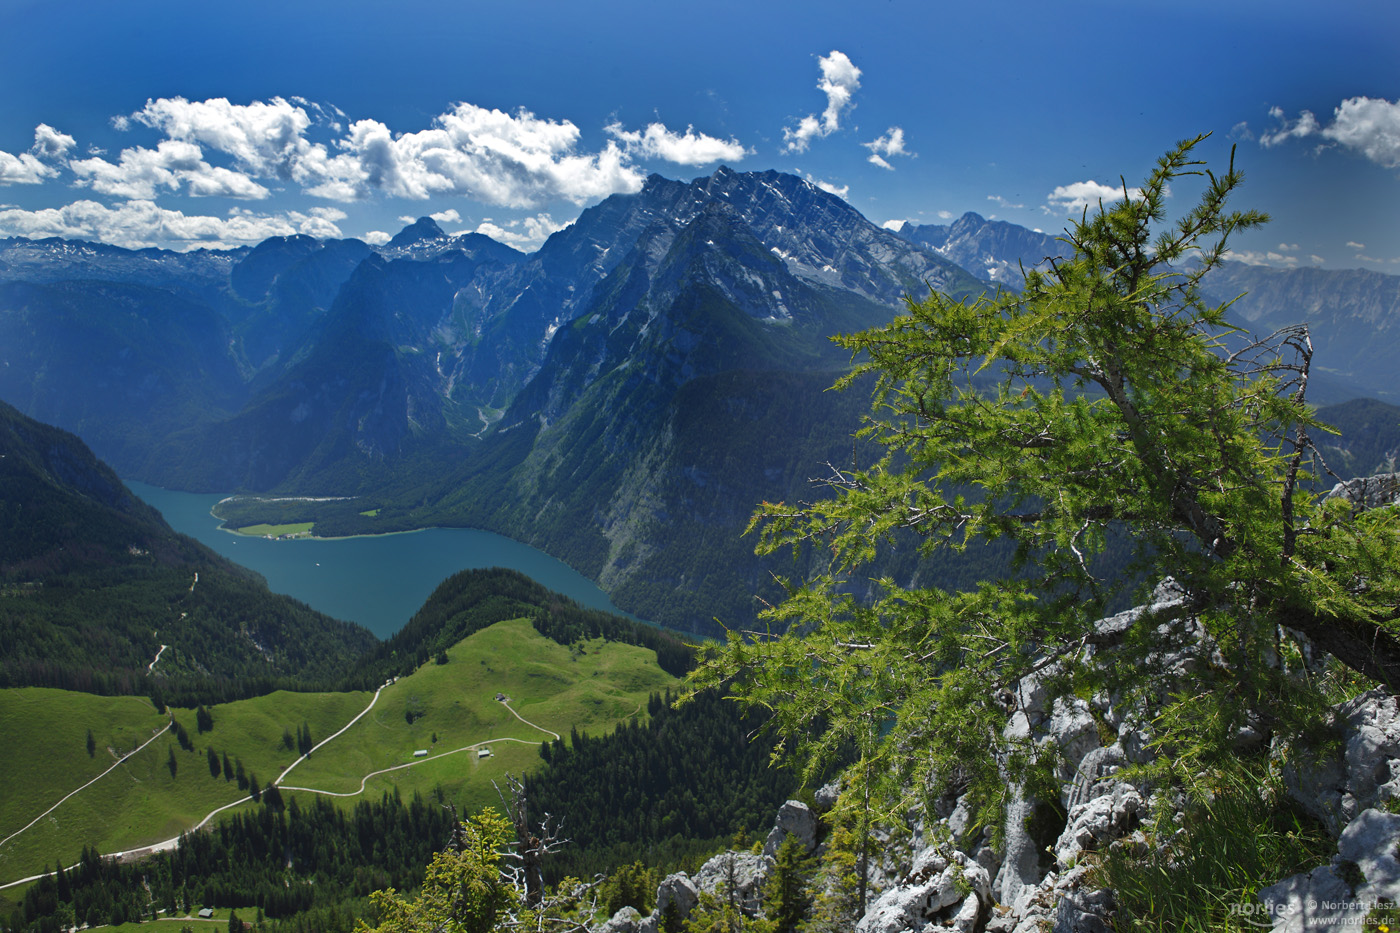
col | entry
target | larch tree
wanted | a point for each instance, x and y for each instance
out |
(1108, 410)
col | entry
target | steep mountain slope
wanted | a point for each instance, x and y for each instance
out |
(122, 363)
(700, 334)
(677, 379)
(622, 397)
(284, 285)
(1369, 440)
(1353, 315)
(93, 583)
(370, 388)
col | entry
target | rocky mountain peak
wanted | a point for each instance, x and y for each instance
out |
(421, 230)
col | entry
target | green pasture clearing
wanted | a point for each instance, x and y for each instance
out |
(276, 531)
(44, 732)
(593, 687)
(218, 922)
(372, 513)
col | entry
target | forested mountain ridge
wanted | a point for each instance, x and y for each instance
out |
(95, 585)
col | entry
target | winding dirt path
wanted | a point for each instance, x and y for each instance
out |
(119, 762)
(506, 704)
(170, 844)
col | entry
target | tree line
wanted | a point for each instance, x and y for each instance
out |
(286, 861)
(665, 790)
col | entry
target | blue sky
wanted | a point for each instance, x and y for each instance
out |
(183, 124)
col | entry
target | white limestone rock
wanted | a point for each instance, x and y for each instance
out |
(795, 818)
(1366, 774)
(745, 872)
(942, 891)
(1094, 823)
(626, 920)
(679, 888)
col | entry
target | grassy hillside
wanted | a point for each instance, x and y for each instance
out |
(140, 802)
(592, 686)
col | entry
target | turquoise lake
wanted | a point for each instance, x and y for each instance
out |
(378, 581)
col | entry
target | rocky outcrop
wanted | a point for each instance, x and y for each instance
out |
(1339, 895)
(934, 872)
(946, 891)
(626, 920)
(1367, 771)
(680, 889)
(1094, 823)
(795, 818)
(735, 875)
(1369, 492)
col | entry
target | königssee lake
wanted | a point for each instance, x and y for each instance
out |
(378, 581)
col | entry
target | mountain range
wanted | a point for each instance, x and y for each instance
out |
(622, 398)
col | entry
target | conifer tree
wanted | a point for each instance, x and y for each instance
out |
(463, 889)
(1108, 409)
(786, 902)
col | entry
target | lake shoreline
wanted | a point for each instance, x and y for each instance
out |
(378, 579)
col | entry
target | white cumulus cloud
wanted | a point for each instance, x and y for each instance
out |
(508, 160)
(1367, 125)
(890, 144)
(839, 82)
(449, 216)
(527, 234)
(171, 165)
(1265, 258)
(24, 169)
(830, 188)
(688, 148)
(33, 167)
(49, 143)
(503, 159)
(265, 138)
(1085, 194)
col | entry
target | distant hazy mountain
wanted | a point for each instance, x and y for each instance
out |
(992, 250)
(1353, 316)
(1369, 442)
